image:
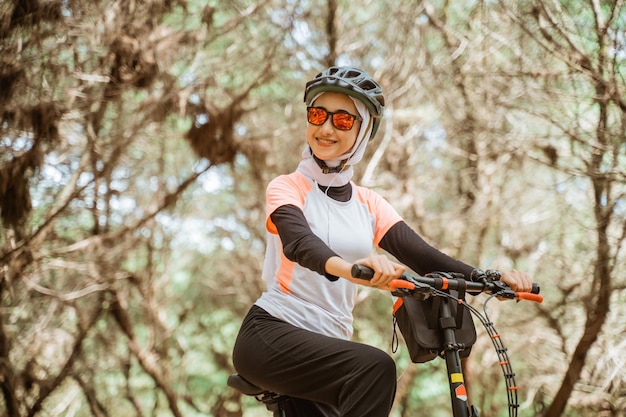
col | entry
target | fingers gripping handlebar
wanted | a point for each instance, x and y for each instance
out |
(486, 282)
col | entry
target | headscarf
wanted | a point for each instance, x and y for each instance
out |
(309, 167)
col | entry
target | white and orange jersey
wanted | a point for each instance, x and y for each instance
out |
(351, 229)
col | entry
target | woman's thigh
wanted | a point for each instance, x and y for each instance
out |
(304, 364)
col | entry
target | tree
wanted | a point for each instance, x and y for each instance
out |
(557, 68)
(591, 52)
(137, 139)
(113, 112)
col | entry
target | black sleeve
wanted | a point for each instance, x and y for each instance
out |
(410, 249)
(300, 244)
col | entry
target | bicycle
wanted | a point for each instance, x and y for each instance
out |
(438, 284)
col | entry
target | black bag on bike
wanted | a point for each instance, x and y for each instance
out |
(419, 323)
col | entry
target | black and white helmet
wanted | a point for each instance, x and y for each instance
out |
(353, 82)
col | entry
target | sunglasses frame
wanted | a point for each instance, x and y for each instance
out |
(331, 114)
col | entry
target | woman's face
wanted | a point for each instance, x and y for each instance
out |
(326, 141)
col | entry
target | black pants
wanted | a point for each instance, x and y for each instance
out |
(326, 376)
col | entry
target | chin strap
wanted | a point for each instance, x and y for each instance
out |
(331, 170)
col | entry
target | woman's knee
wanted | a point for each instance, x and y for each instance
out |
(386, 368)
(378, 364)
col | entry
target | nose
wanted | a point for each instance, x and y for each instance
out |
(327, 126)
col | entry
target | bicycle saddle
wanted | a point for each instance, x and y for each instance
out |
(244, 386)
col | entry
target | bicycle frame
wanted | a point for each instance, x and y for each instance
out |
(458, 392)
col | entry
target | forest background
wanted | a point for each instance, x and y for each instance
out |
(137, 138)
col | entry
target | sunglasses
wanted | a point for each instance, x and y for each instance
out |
(341, 119)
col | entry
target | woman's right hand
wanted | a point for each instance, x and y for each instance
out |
(385, 270)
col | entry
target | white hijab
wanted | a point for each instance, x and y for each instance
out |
(309, 167)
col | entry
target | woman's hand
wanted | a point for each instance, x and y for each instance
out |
(518, 281)
(384, 268)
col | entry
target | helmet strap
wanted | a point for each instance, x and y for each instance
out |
(330, 170)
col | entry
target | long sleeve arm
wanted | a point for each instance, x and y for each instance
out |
(410, 249)
(300, 244)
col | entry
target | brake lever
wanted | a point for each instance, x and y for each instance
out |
(501, 290)
(407, 287)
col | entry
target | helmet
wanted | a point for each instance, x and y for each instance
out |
(353, 82)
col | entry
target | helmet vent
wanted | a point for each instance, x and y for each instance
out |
(368, 85)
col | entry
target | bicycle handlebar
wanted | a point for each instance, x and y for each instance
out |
(484, 282)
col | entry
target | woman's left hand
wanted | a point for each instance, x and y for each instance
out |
(518, 281)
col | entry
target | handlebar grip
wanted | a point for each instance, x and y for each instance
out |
(362, 272)
(400, 283)
(529, 296)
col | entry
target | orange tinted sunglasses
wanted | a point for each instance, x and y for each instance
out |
(341, 119)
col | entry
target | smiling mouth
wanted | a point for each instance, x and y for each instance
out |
(326, 141)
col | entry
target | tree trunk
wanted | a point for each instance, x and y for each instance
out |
(600, 293)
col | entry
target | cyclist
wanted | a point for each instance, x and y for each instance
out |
(295, 339)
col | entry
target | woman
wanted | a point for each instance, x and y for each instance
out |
(296, 337)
